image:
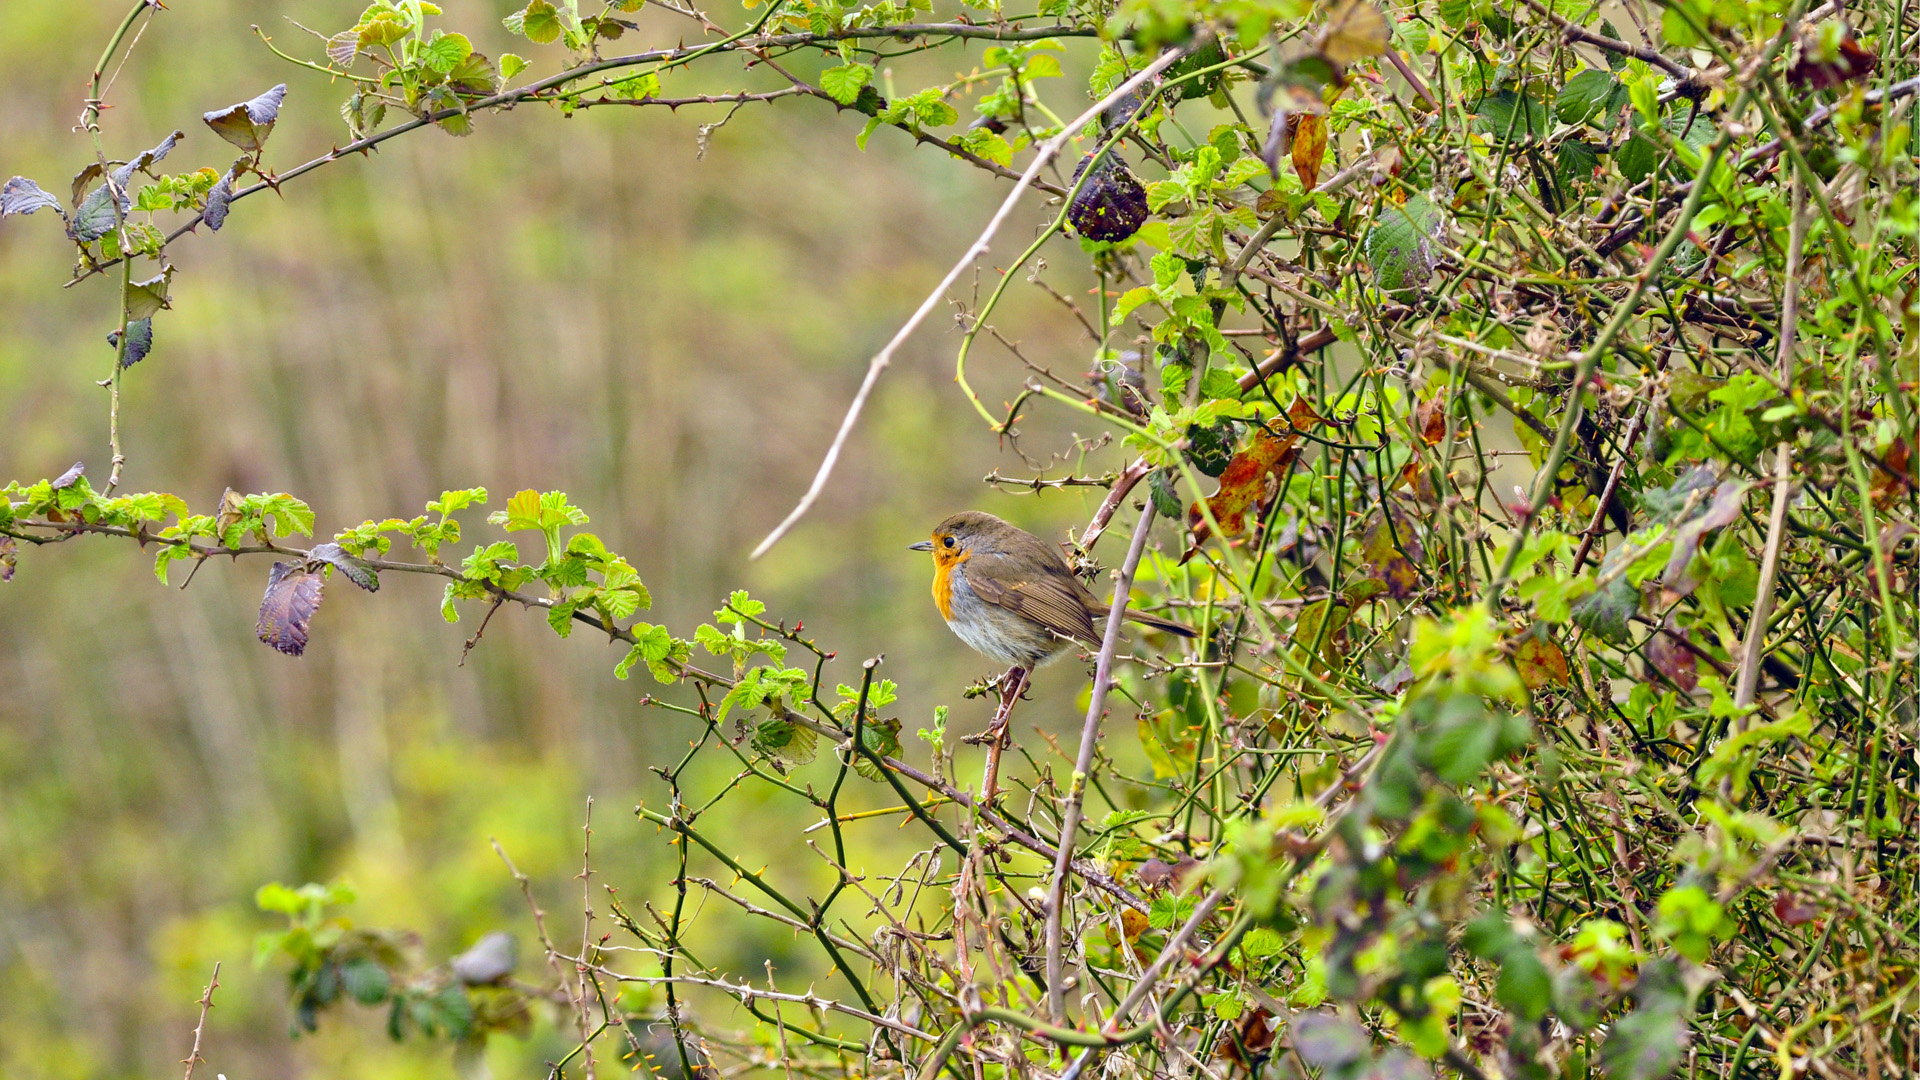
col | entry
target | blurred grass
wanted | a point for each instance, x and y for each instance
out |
(556, 303)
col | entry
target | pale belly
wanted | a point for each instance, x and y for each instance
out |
(998, 634)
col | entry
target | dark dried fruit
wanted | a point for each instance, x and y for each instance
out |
(1111, 205)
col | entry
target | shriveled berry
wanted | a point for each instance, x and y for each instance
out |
(1111, 205)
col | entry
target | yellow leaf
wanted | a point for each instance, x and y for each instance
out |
(1355, 30)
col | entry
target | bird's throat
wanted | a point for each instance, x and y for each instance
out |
(943, 566)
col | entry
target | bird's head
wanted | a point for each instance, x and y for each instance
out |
(964, 534)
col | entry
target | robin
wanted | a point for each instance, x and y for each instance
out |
(1010, 596)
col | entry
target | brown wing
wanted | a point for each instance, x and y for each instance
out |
(1056, 600)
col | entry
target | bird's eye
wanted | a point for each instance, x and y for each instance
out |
(948, 541)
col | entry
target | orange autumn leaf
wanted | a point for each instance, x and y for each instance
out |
(1891, 481)
(1541, 662)
(1309, 147)
(1430, 419)
(1243, 485)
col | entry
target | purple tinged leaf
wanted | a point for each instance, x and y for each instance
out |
(95, 217)
(1328, 1042)
(82, 178)
(67, 479)
(9, 557)
(1279, 141)
(1111, 205)
(23, 196)
(357, 570)
(139, 341)
(292, 596)
(247, 124)
(491, 959)
(1399, 1065)
(343, 47)
(1607, 610)
(124, 174)
(1724, 510)
(218, 201)
(1381, 547)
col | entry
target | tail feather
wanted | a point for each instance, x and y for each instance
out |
(1154, 621)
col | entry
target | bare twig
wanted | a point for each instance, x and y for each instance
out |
(1749, 679)
(206, 1003)
(979, 247)
(1083, 764)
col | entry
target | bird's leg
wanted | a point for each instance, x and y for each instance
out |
(1012, 685)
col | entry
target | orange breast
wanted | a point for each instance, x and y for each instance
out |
(943, 565)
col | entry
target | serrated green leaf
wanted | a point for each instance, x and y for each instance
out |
(446, 51)
(1403, 244)
(843, 83)
(540, 22)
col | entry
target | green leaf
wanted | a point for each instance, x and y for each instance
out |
(382, 28)
(739, 605)
(511, 64)
(1403, 246)
(1675, 27)
(1587, 96)
(166, 556)
(1646, 1044)
(540, 22)
(446, 51)
(1505, 115)
(1525, 987)
(522, 512)
(788, 744)
(1169, 911)
(1637, 158)
(843, 83)
(638, 87)
(366, 981)
(145, 298)
(986, 144)
(1606, 611)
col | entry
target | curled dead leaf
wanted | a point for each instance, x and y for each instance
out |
(1309, 147)
(292, 596)
(1668, 654)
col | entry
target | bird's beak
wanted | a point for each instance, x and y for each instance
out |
(924, 545)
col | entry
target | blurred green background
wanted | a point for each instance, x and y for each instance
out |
(579, 303)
